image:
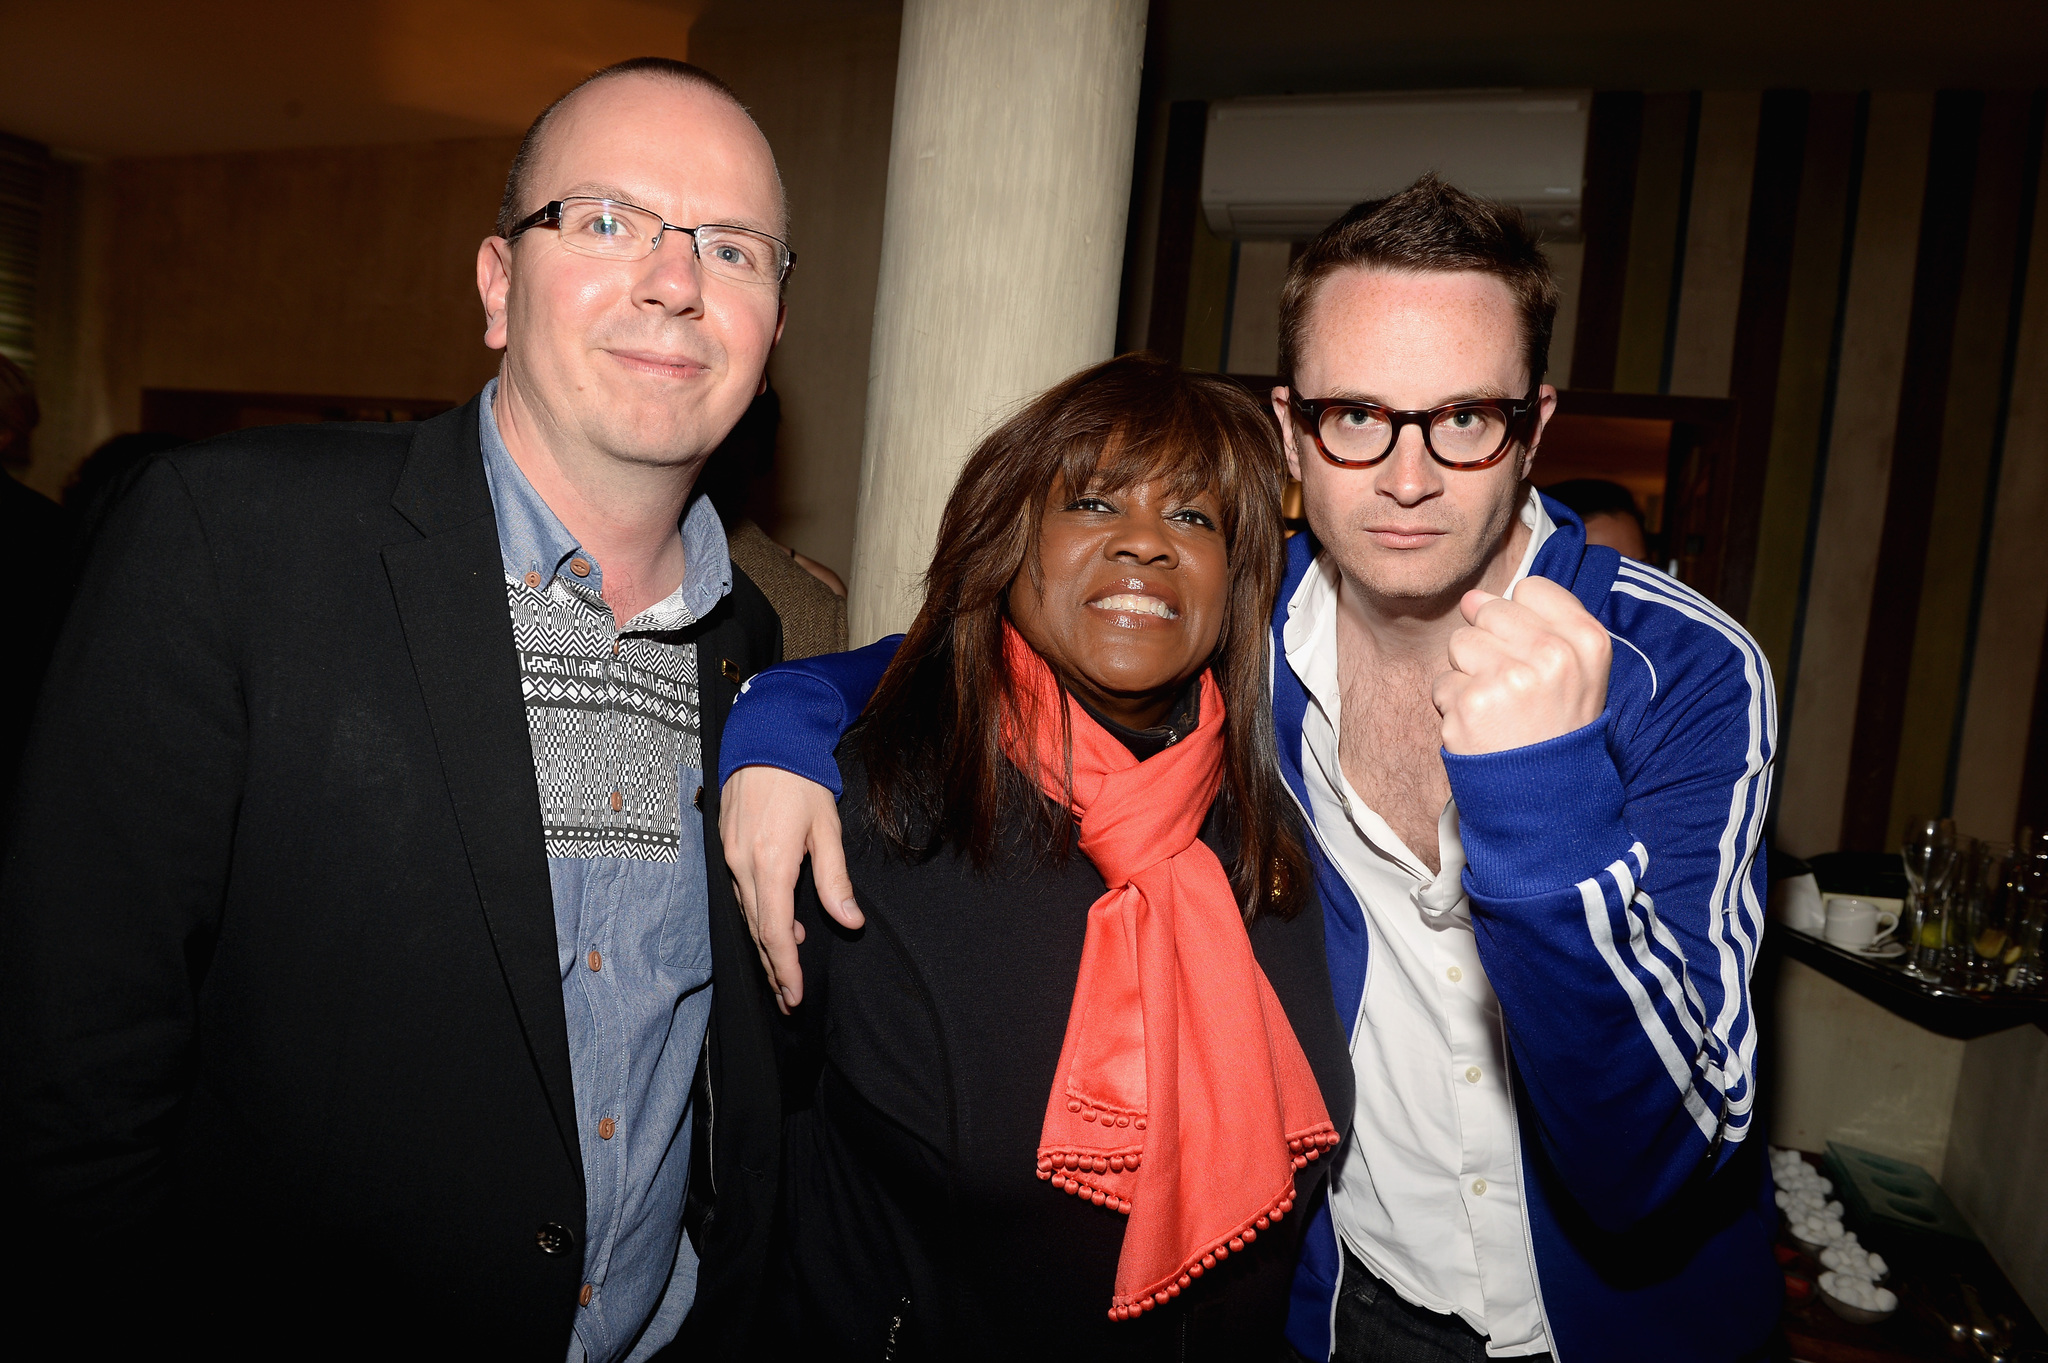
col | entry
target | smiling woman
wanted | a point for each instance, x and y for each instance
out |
(1145, 1027)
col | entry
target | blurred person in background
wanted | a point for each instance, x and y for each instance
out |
(99, 483)
(381, 753)
(808, 597)
(38, 532)
(1609, 512)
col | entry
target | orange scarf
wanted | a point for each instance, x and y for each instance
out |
(1183, 1098)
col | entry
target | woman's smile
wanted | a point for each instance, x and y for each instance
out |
(1127, 599)
(1130, 594)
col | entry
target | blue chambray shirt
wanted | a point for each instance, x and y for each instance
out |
(618, 758)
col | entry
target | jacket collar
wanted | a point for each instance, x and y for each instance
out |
(442, 485)
(449, 589)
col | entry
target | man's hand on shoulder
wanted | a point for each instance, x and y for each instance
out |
(1523, 671)
(769, 820)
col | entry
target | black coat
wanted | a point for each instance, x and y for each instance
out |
(281, 1030)
(919, 1066)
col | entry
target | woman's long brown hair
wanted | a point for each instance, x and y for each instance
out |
(931, 738)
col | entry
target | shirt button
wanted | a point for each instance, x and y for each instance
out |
(580, 567)
(1471, 1074)
(1479, 1187)
(583, 1297)
(618, 802)
(698, 798)
(533, 579)
(605, 1127)
(596, 961)
(1455, 974)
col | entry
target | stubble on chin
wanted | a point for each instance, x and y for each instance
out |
(1427, 581)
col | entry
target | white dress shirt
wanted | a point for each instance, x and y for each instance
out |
(1429, 1192)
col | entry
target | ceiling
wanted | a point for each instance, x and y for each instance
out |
(143, 78)
(1210, 49)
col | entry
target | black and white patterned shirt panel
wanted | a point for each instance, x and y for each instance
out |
(611, 718)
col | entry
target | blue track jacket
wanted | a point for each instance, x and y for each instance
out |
(1618, 900)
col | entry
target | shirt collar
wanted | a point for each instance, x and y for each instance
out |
(536, 545)
(1310, 636)
(1541, 528)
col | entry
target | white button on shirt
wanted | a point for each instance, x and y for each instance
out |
(1428, 1195)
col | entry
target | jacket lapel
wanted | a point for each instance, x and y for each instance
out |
(450, 590)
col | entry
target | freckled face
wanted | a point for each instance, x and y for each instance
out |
(1408, 530)
(1131, 603)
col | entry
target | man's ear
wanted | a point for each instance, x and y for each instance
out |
(494, 287)
(781, 316)
(1279, 398)
(1546, 408)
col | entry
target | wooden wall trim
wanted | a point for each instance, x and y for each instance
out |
(1859, 419)
(1702, 350)
(1180, 205)
(2015, 320)
(1614, 141)
(1969, 438)
(1835, 127)
(1916, 457)
(1652, 242)
(1760, 328)
(2006, 677)
(1688, 163)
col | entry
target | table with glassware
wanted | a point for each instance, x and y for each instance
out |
(1947, 933)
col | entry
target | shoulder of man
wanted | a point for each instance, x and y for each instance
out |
(330, 463)
(1679, 658)
(756, 621)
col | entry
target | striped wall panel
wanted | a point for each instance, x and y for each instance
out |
(1853, 271)
(23, 168)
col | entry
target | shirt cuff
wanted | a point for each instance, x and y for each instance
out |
(785, 719)
(1539, 819)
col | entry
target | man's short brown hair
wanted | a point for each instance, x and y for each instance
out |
(512, 208)
(1428, 226)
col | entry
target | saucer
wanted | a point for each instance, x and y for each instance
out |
(1883, 951)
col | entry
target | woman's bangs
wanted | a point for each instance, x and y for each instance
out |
(1189, 461)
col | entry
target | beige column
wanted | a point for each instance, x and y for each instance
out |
(1002, 245)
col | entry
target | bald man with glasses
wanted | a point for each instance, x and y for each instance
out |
(371, 976)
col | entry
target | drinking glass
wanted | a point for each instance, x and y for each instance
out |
(1979, 927)
(2021, 961)
(1929, 853)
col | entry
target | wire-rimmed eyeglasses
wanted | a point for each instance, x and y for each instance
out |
(612, 229)
(1466, 435)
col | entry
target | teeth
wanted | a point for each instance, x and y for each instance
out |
(1131, 603)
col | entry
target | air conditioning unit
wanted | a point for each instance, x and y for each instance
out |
(1283, 168)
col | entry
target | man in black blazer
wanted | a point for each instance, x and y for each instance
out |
(364, 889)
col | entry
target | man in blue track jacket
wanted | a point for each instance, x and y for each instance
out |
(1536, 776)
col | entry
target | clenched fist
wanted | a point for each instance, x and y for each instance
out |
(1522, 671)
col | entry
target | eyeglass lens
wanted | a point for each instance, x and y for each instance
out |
(616, 231)
(1459, 435)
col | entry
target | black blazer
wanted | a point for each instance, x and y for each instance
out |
(281, 1033)
(917, 1073)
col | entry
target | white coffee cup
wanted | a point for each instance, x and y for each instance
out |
(1857, 923)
